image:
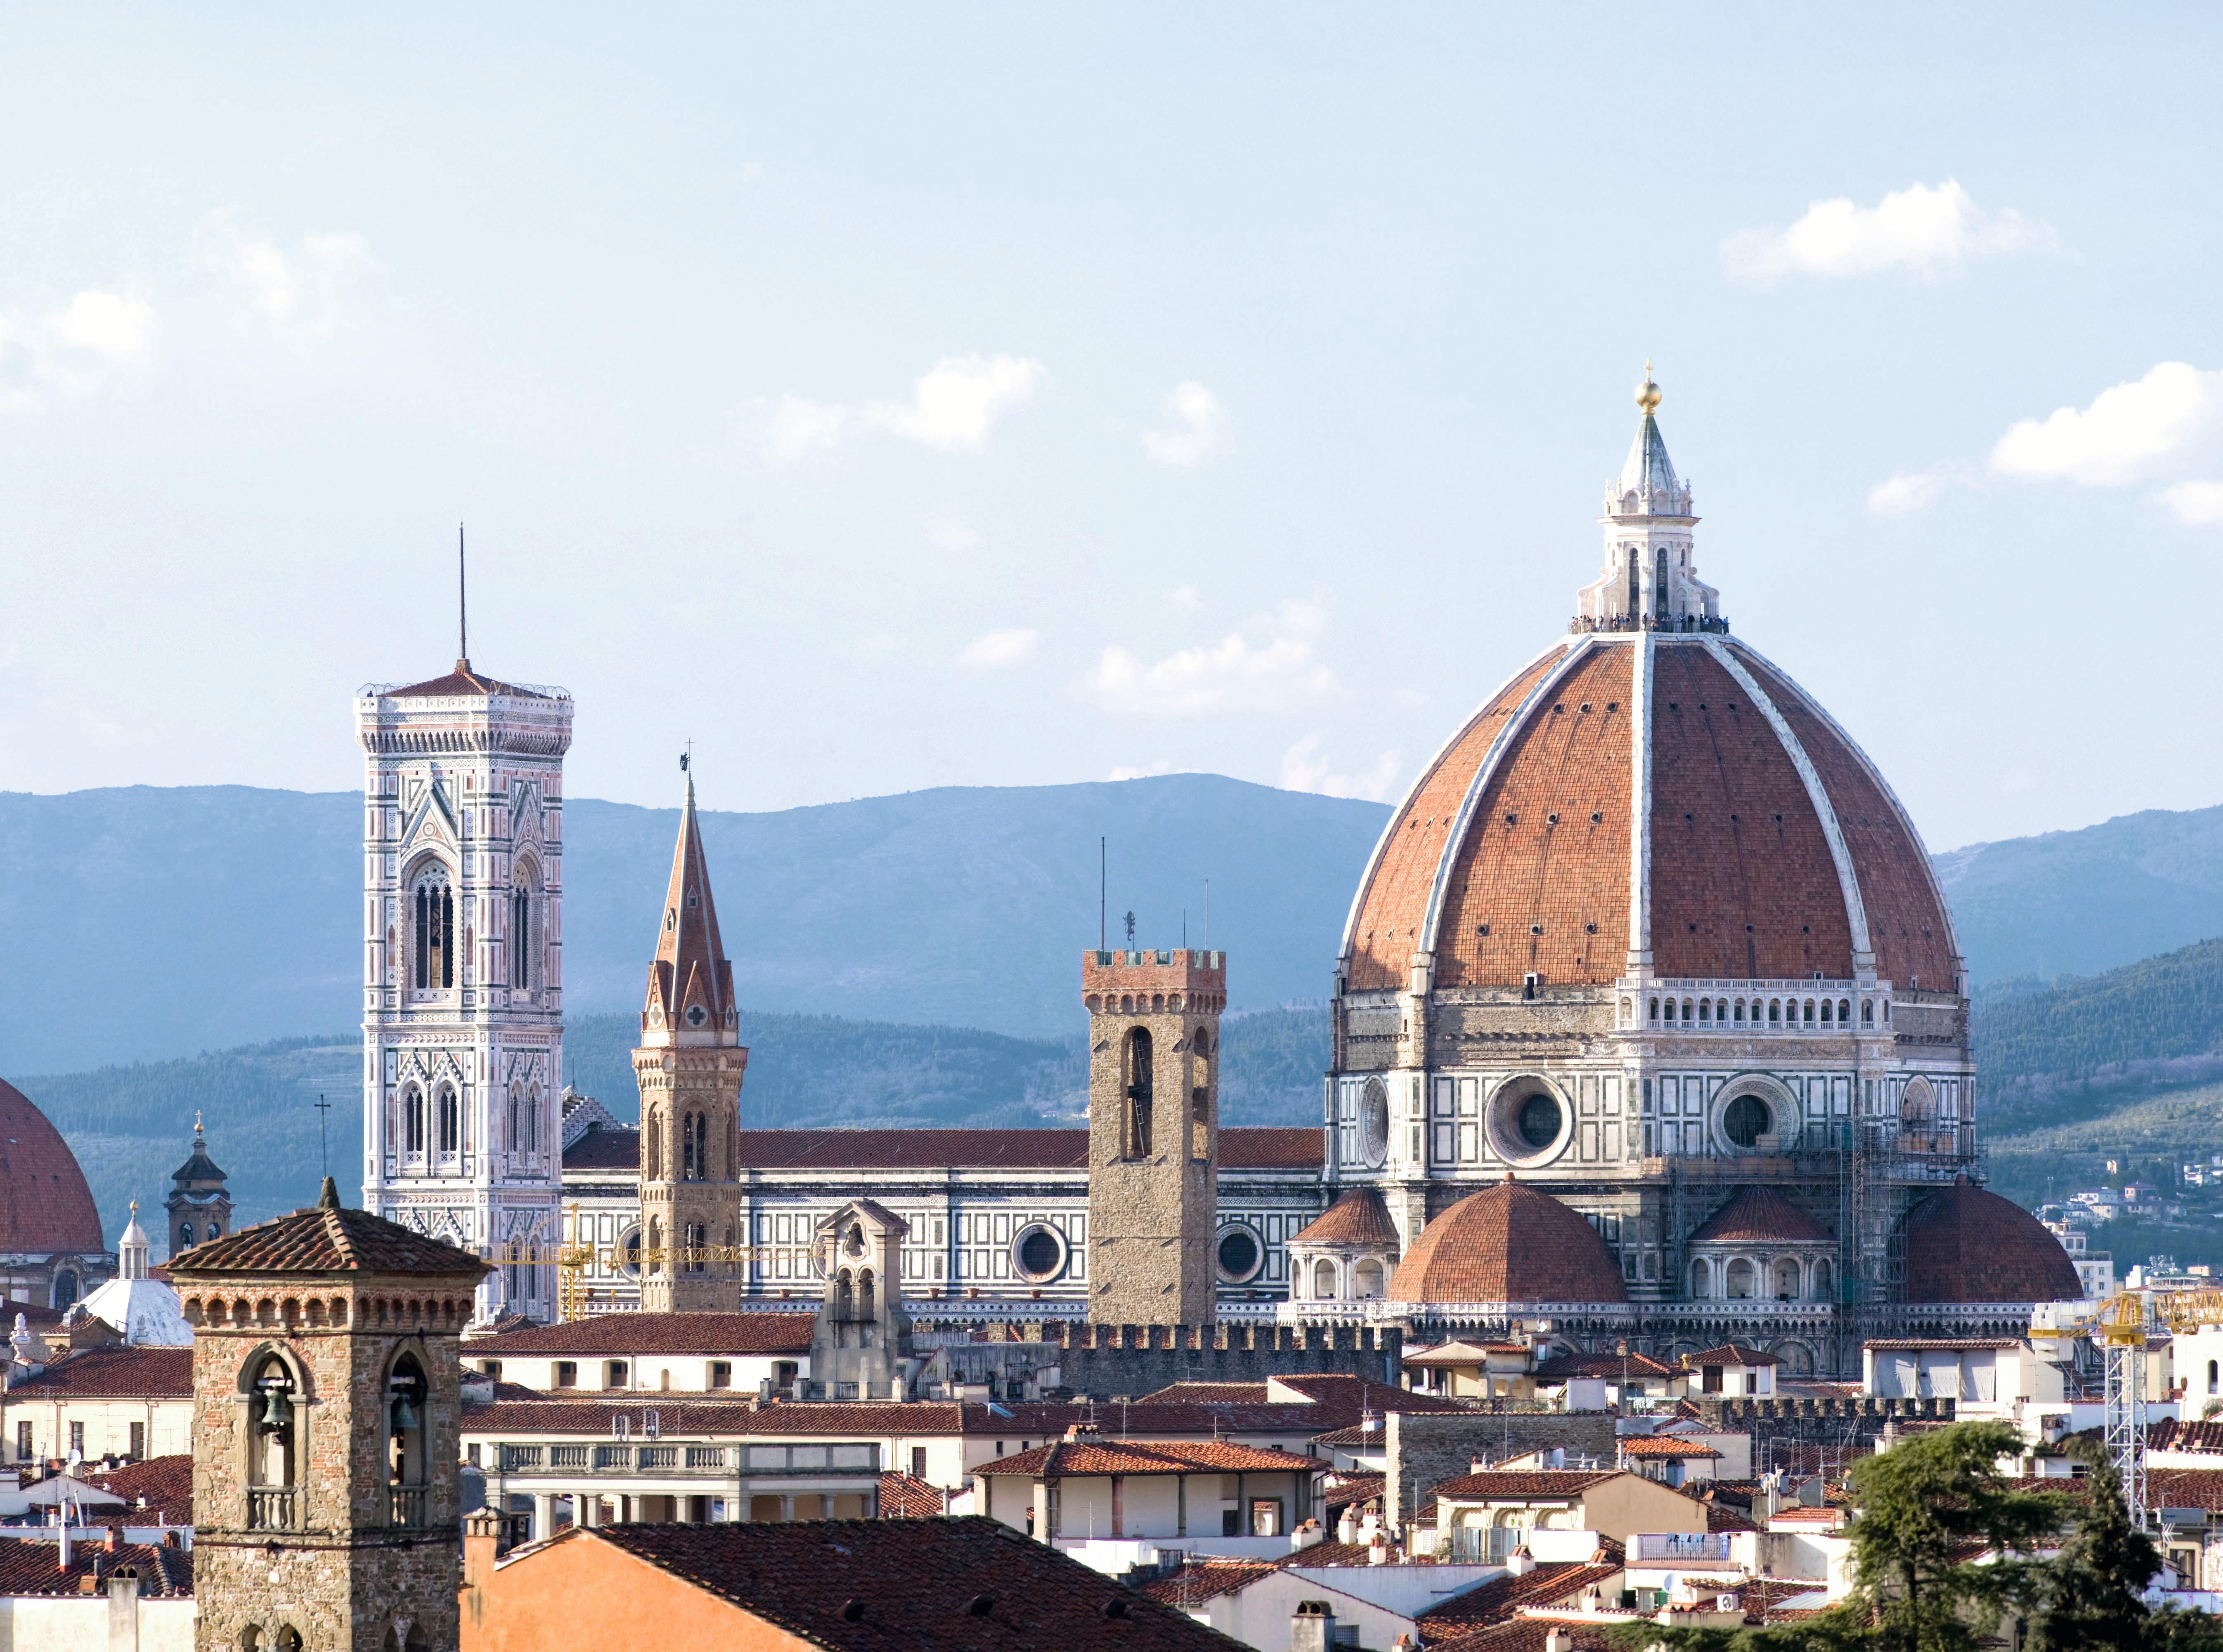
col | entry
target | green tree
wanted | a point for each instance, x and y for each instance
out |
(1929, 1510)
(2091, 1590)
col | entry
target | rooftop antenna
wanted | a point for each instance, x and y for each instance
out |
(1184, 929)
(1207, 914)
(1130, 929)
(323, 1146)
(1102, 884)
(462, 608)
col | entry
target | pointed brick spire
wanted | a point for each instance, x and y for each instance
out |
(690, 973)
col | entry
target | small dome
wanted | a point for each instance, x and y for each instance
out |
(1508, 1243)
(45, 1205)
(1965, 1245)
(1761, 1215)
(1358, 1217)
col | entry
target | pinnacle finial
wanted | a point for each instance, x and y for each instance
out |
(1647, 393)
(196, 1122)
(329, 1199)
(135, 1209)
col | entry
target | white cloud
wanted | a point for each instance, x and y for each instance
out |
(999, 648)
(1277, 671)
(1200, 427)
(1186, 596)
(1160, 767)
(1923, 229)
(2198, 503)
(2130, 432)
(75, 350)
(952, 536)
(953, 406)
(1916, 490)
(302, 294)
(1304, 769)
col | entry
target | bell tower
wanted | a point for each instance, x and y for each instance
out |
(327, 1499)
(689, 1065)
(1153, 1135)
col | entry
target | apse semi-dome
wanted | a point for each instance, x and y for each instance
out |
(1964, 1244)
(45, 1205)
(1508, 1243)
(1649, 794)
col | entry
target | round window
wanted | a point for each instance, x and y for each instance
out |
(1241, 1253)
(1038, 1253)
(1745, 1120)
(1374, 1121)
(1527, 1122)
(697, 1015)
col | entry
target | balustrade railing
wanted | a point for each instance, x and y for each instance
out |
(273, 1507)
(409, 1503)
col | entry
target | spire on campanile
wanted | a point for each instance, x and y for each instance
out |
(691, 984)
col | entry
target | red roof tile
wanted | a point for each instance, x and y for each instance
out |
(1964, 1244)
(1358, 1217)
(873, 1585)
(1116, 1456)
(30, 1567)
(462, 680)
(165, 1483)
(1204, 1580)
(1730, 1353)
(1664, 1447)
(118, 1373)
(1761, 1215)
(904, 1497)
(643, 1334)
(604, 1146)
(1497, 1600)
(1523, 1482)
(1508, 1243)
(326, 1238)
(45, 1204)
(1561, 1366)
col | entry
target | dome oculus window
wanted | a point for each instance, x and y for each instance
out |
(1039, 1253)
(1529, 1123)
(1241, 1253)
(1746, 1119)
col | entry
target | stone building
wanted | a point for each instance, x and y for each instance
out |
(326, 1496)
(689, 1067)
(462, 1024)
(860, 1344)
(1153, 1134)
(199, 1205)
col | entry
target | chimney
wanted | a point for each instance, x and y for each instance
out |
(1312, 1628)
(1519, 1563)
(1554, 1641)
(482, 1537)
(1309, 1533)
(1377, 1551)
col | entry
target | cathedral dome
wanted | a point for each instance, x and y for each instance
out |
(45, 1205)
(1964, 1244)
(1508, 1243)
(1648, 795)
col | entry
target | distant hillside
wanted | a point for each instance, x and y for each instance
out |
(2080, 902)
(142, 923)
(131, 1126)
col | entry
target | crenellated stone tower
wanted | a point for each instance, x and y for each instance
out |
(1153, 1134)
(689, 1066)
(462, 1024)
(327, 1499)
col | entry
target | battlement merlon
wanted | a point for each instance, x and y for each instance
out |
(1134, 980)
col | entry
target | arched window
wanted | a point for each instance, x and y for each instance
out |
(1868, 1012)
(532, 1120)
(1810, 1012)
(516, 1137)
(1774, 1010)
(1822, 1282)
(1324, 1280)
(434, 931)
(1739, 1012)
(1200, 1097)
(1701, 1280)
(451, 1122)
(1139, 1080)
(408, 1479)
(1844, 1012)
(185, 1234)
(865, 1294)
(844, 1296)
(1786, 1279)
(64, 1291)
(1744, 1279)
(271, 1458)
(1705, 1010)
(412, 1120)
(1825, 1012)
(1686, 1011)
(521, 949)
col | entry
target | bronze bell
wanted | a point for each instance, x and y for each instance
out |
(404, 1414)
(277, 1410)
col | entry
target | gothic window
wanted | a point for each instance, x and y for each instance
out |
(185, 1234)
(1660, 584)
(408, 1480)
(451, 1122)
(433, 936)
(1324, 1280)
(516, 1118)
(865, 1294)
(1744, 1279)
(412, 1120)
(1138, 1088)
(698, 1245)
(521, 950)
(270, 1451)
(1786, 1279)
(1702, 1280)
(532, 1120)
(1822, 1292)
(1199, 1098)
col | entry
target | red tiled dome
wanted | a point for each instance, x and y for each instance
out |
(1761, 1215)
(1965, 1245)
(1508, 1243)
(1517, 849)
(45, 1205)
(1358, 1217)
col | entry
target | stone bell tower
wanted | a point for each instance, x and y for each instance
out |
(1153, 1134)
(327, 1502)
(689, 1065)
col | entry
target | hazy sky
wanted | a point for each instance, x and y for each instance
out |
(895, 397)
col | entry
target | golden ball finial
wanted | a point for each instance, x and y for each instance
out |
(1647, 393)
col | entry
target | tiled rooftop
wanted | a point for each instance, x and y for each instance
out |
(113, 1372)
(1114, 1456)
(326, 1238)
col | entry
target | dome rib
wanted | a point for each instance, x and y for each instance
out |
(1508, 1243)
(1967, 1244)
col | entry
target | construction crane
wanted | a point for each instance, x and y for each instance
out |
(571, 1258)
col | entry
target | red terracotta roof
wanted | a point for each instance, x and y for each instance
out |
(1730, 1353)
(1206, 1393)
(1358, 1217)
(1720, 1516)
(166, 1484)
(904, 1497)
(873, 1586)
(462, 680)
(1350, 1489)
(1523, 1482)
(1116, 1456)
(603, 1147)
(31, 1568)
(677, 1415)
(1202, 1580)
(1499, 1599)
(2185, 1488)
(326, 1238)
(642, 1333)
(1964, 1244)
(2173, 1434)
(1761, 1215)
(1560, 1367)
(120, 1372)
(1508, 1243)
(45, 1205)
(1669, 1447)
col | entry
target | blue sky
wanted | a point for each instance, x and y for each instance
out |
(896, 397)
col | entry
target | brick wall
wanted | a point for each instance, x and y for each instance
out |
(1426, 1449)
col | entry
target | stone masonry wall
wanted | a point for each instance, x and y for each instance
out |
(1426, 1449)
